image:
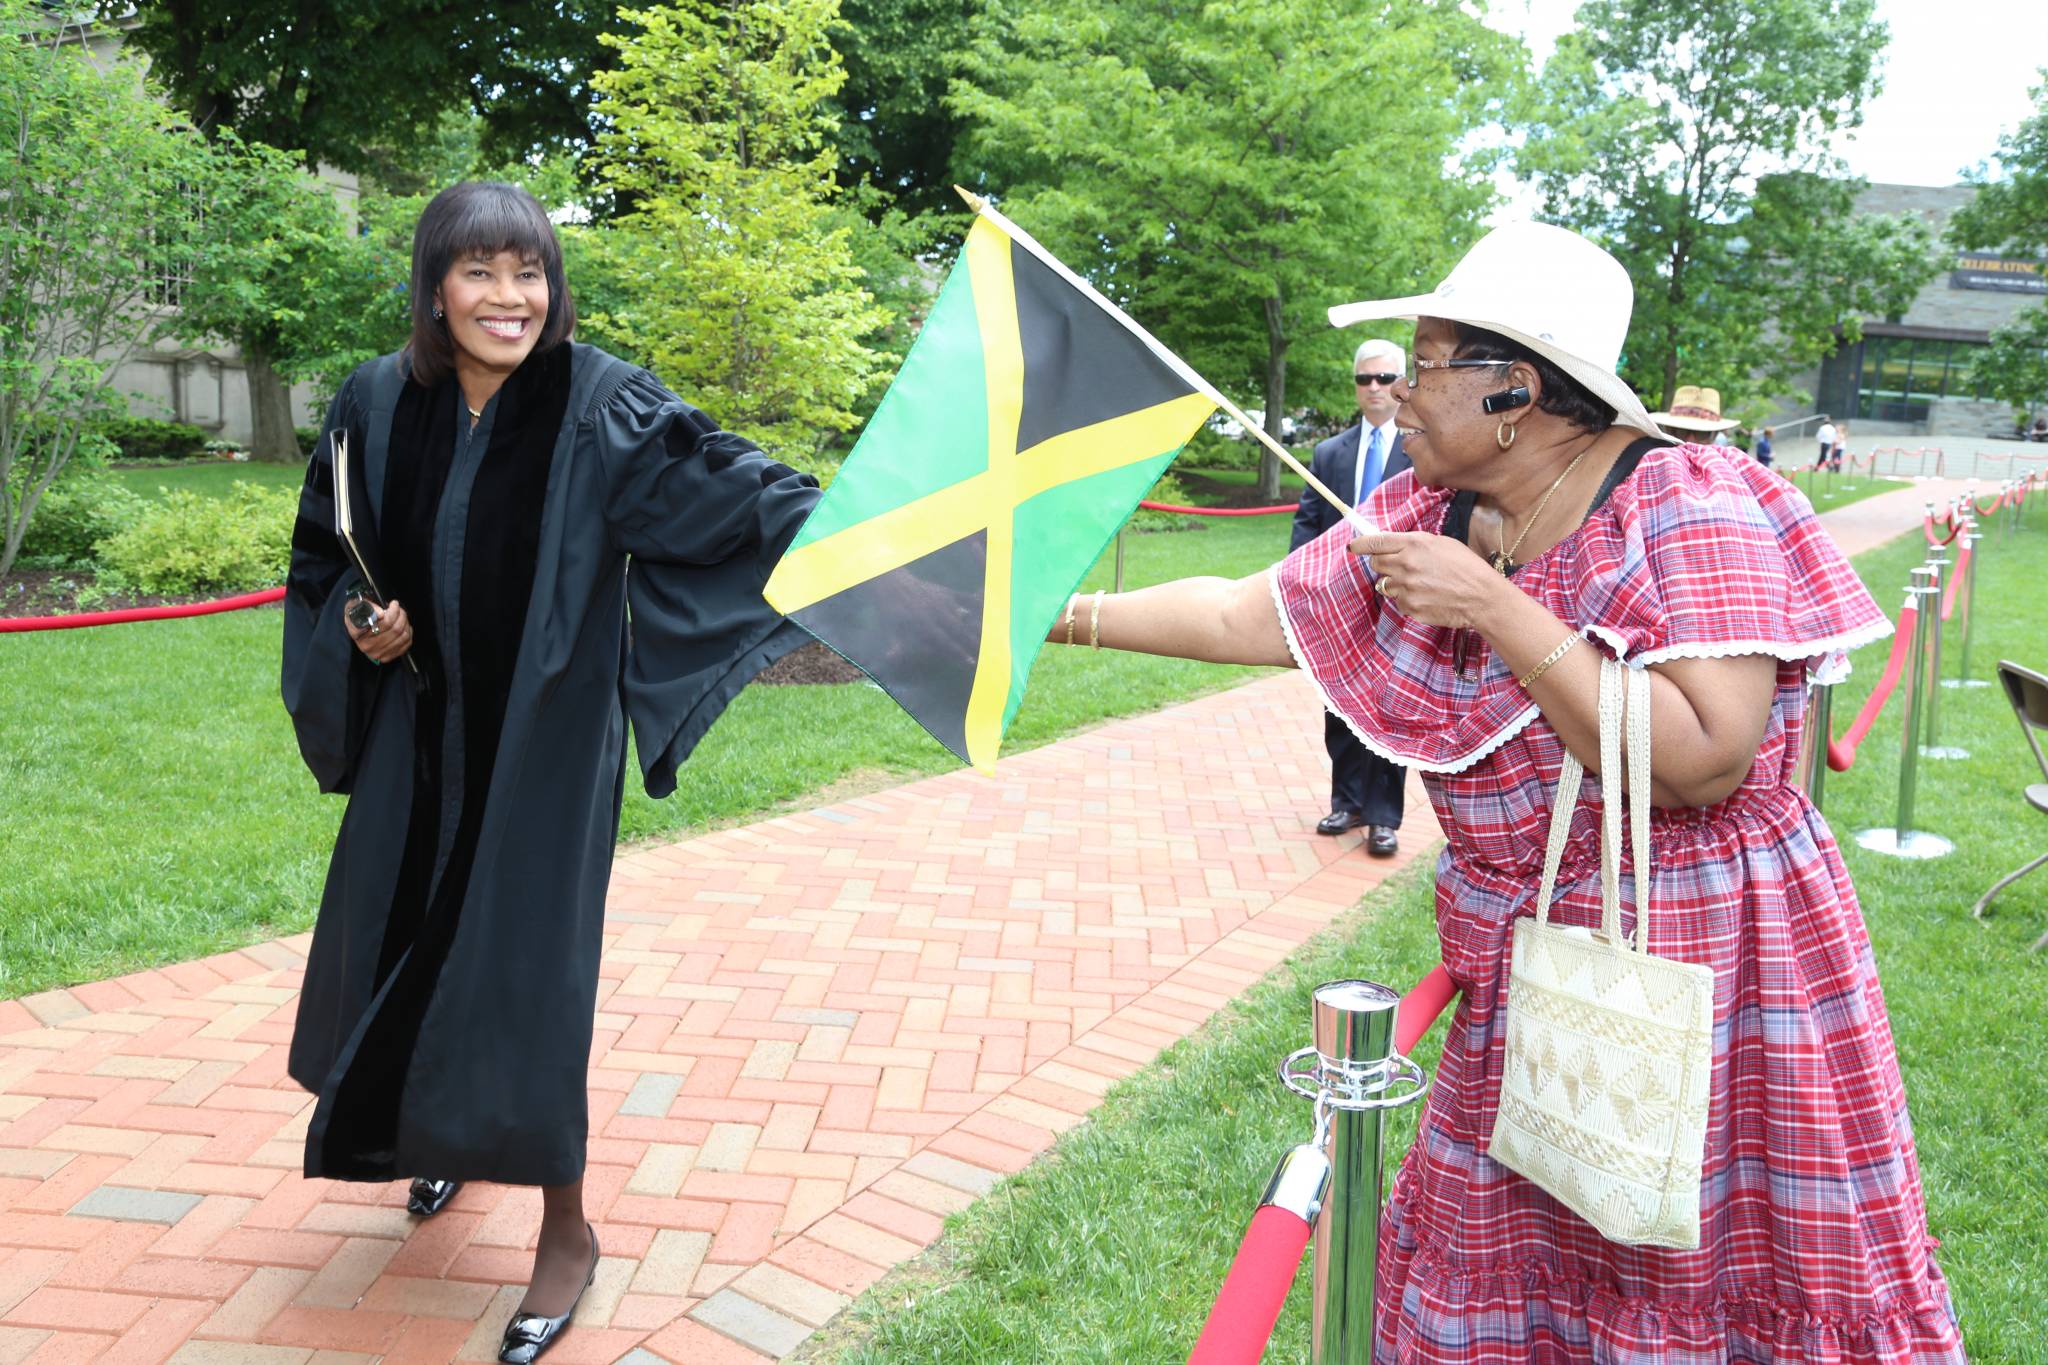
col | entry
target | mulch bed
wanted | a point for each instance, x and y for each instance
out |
(1216, 493)
(55, 592)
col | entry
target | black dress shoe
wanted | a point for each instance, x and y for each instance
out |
(528, 1334)
(429, 1197)
(1382, 842)
(1337, 821)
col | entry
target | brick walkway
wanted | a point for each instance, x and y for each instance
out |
(816, 1037)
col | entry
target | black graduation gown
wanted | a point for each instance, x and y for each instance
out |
(446, 1018)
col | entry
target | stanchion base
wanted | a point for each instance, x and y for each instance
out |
(1914, 843)
(1966, 682)
(1942, 751)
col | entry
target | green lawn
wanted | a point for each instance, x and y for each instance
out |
(155, 808)
(1844, 490)
(209, 477)
(1111, 1249)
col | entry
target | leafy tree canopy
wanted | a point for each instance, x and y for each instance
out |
(338, 82)
(1690, 137)
(94, 177)
(2010, 212)
(737, 282)
(1228, 172)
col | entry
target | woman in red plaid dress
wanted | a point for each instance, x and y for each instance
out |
(1545, 522)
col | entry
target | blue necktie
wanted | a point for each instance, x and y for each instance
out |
(1375, 461)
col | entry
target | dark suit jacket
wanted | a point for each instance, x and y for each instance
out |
(1336, 464)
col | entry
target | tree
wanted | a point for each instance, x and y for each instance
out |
(89, 163)
(291, 282)
(364, 86)
(1690, 137)
(744, 294)
(2011, 213)
(896, 131)
(1227, 172)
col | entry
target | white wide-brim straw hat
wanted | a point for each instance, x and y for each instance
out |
(1694, 408)
(1546, 287)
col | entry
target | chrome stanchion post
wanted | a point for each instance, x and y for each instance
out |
(1966, 606)
(1820, 702)
(1903, 840)
(1931, 745)
(1354, 1075)
(1119, 560)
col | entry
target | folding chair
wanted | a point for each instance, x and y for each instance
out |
(2028, 693)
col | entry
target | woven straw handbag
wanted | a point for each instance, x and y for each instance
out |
(1603, 1098)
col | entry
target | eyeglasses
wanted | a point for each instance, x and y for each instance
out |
(1415, 366)
(1385, 381)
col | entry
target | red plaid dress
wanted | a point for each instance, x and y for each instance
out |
(1814, 1244)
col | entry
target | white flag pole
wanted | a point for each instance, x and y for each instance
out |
(1360, 525)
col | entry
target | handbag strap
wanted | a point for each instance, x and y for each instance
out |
(1624, 698)
(1639, 797)
(1611, 698)
(1570, 776)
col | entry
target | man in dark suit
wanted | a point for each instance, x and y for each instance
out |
(1365, 789)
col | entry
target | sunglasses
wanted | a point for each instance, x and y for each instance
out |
(1385, 381)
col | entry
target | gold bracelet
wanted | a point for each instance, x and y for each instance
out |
(1095, 621)
(1072, 602)
(1564, 647)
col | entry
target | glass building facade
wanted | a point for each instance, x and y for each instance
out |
(1888, 378)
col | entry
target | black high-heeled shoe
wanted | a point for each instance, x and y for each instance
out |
(528, 1334)
(429, 1197)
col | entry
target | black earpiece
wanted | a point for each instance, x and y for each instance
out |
(1517, 397)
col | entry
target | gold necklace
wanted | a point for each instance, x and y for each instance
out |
(1503, 561)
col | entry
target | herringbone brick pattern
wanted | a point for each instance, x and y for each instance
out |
(816, 1037)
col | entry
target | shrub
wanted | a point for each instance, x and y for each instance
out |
(85, 507)
(185, 543)
(1210, 449)
(1168, 489)
(144, 438)
(308, 438)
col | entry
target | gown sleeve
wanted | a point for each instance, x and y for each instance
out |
(1706, 555)
(704, 517)
(329, 684)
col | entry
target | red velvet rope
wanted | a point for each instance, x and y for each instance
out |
(1217, 511)
(1842, 752)
(1249, 1303)
(1948, 595)
(127, 614)
(1996, 503)
(1421, 1006)
(1928, 524)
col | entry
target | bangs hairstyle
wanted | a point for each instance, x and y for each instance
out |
(480, 217)
(1563, 396)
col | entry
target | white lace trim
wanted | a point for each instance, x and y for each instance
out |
(1831, 654)
(1789, 650)
(1455, 764)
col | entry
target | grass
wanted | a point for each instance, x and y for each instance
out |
(1844, 490)
(156, 809)
(210, 477)
(1111, 1249)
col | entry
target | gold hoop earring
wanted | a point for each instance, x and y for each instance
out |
(1504, 434)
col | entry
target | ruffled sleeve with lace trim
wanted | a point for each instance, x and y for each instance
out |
(1697, 554)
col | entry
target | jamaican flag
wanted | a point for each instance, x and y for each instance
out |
(1027, 421)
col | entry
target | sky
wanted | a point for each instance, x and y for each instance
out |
(1956, 77)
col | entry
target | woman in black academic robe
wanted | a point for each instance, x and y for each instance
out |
(511, 477)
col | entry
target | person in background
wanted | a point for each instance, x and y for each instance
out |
(1841, 445)
(1542, 525)
(477, 715)
(1826, 436)
(1695, 416)
(1365, 789)
(1763, 446)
